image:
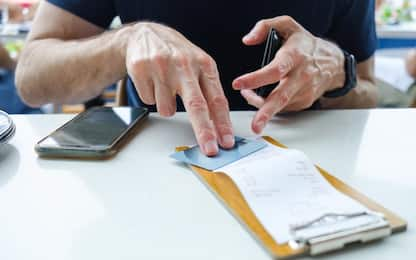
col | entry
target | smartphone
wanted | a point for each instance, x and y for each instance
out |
(273, 44)
(95, 133)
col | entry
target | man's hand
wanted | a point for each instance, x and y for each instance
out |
(162, 64)
(306, 67)
(83, 58)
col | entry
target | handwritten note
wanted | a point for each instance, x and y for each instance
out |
(284, 189)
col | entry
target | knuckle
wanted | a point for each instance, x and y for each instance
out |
(277, 69)
(197, 104)
(298, 56)
(137, 64)
(181, 60)
(219, 102)
(224, 128)
(205, 61)
(266, 114)
(206, 133)
(307, 75)
(283, 97)
(291, 22)
(308, 59)
(262, 23)
(287, 19)
(286, 64)
(207, 65)
(253, 104)
(160, 59)
(297, 53)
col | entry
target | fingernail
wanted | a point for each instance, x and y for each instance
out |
(228, 140)
(211, 147)
(260, 125)
(239, 84)
(250, 36)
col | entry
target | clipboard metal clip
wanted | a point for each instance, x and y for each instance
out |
(333, 231)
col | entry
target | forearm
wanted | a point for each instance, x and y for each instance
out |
(66, 71)
(364, 95)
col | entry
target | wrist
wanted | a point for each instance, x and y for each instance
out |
(122, 39)
(338, 79)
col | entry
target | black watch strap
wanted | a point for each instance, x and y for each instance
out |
(350, 67)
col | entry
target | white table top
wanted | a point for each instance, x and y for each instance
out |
(143, 205)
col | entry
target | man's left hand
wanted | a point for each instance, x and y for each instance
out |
(306, 67)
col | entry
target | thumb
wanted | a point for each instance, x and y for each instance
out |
(285, 25)
(258, 34)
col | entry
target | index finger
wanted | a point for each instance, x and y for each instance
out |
(286, 59)
(217, 103)
(197, 108)
(285, 25)
(274, 103)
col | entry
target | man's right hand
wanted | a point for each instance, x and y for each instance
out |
(162, 64)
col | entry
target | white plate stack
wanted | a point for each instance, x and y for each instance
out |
(7, 128)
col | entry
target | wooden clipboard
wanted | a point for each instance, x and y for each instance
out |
(228, 193)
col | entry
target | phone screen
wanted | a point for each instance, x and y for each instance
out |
(96, 127)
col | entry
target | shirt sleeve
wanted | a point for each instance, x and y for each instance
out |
(98, 12)
(354, 28)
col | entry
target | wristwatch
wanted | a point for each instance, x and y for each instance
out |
(350, 67)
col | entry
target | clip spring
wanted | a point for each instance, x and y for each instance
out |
(333, 231)
(333, 217)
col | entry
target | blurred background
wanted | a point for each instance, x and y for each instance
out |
(15, 21)
(395, 57)
(396, 30)
(16, 17)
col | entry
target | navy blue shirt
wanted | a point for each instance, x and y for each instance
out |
(217, 26)
(10, 101)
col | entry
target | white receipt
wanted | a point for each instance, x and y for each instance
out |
(284, 189)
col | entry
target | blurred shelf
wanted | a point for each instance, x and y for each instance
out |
(72, 109)
(406, 30)
(109, 95)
